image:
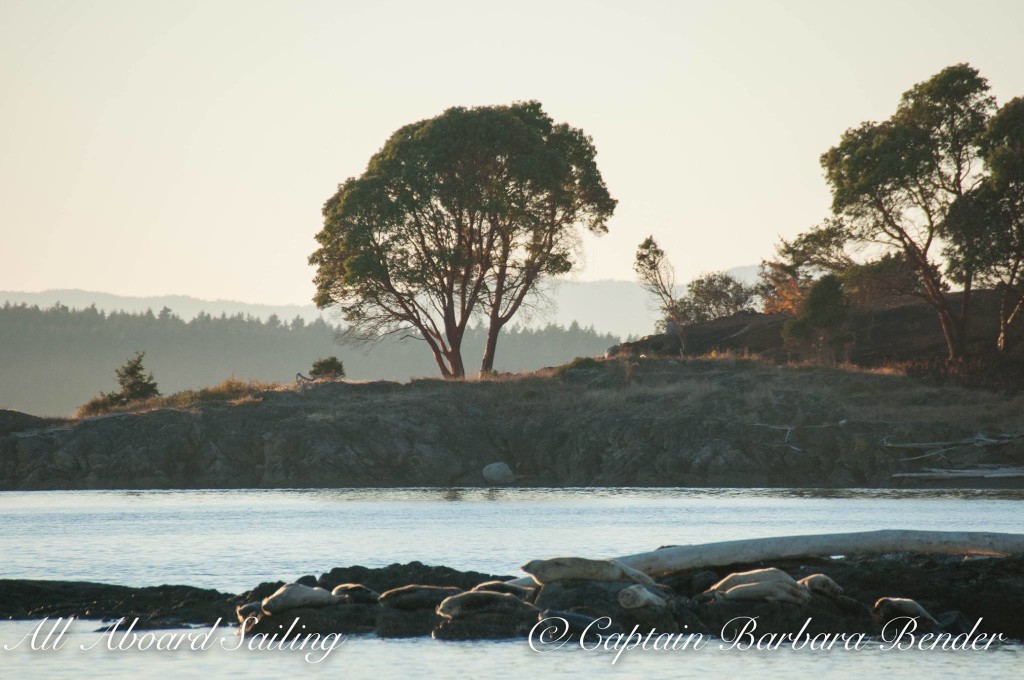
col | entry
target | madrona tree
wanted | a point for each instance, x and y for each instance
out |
(985, 227)
(893, 183)
(458, 216)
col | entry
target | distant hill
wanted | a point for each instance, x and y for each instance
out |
(621, 308)
(55, 359)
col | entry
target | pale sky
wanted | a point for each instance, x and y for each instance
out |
(187, 147)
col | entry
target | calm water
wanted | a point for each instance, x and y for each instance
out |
(234, 539)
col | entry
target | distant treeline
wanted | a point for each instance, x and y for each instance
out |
(53, 360)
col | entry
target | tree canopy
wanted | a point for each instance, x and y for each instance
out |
(458, 215)
(894, 182)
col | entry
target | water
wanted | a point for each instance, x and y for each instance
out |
(232, 540)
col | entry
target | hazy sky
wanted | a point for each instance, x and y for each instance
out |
(179, 147)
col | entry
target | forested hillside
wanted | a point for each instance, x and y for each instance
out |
(52, 360)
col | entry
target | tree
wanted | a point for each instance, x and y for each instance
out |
(818, 251)
(893, 182)
(822, 315)
(985, 227)
(330, 368)
(714, 296)
(135, 383)
(657, 276)
(475, 206)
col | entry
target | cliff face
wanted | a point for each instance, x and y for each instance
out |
(646, 422)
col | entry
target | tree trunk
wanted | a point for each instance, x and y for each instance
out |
(965, 310)
(490, 346)
(950, 330)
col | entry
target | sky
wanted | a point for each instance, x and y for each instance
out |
(152, 148)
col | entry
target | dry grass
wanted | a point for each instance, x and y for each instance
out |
(231, 390)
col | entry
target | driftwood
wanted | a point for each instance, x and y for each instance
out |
(985, 472)
(681, 557)
(936, 448)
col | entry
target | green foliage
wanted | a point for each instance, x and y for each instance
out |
(893, 182)
(819, 325)
(135, 383)
(714, 296)
(472, 207)
(331, 368)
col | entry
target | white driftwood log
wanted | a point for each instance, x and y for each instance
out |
(680, 557)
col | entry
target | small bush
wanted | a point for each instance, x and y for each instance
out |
(583, 364)
(329, 368)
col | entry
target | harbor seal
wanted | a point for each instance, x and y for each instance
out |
(355, 593)
(636, 596)
(888, 608)
(583, 569)
(740, 578)
(293, 595)
(819, 583)
(768, 591)
(481, 601)
(417, 597)
(522, 592)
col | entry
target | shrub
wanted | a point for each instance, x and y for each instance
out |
(329, 368)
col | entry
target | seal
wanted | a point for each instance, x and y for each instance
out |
(888, 608)
(636, 596)
(819, 583)
(417, 597)
(768, 591)
(740, 578)
(481, 601)
(522, 592)
(292, 595)
(355, 593)
(583, 569)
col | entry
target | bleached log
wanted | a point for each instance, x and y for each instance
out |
(678, 558)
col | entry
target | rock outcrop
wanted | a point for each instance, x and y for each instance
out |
(592, 423)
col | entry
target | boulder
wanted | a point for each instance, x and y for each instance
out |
(499, 474)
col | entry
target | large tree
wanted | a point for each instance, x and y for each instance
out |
(893, 182)
(473, 207)
(554, 191)
(985, 227)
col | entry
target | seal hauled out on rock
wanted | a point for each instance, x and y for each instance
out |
(293, 595)
(481, 601)
(417, 596)
(355, 593)
(819, 583)
(637, 596)
(740, 578)
(583, 569)
(522, 592)
(888, 608)
(768, 591)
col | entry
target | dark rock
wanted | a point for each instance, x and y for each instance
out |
(398, 575)
(401, 623)
(600, 598)
(307, 580)
(158, 606)
(488, 625)
(345, 619)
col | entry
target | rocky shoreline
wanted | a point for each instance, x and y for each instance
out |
(417, 600)
(624, 422)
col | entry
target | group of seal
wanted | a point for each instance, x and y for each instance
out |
(635, 592)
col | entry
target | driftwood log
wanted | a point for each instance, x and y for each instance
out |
(675, 558)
